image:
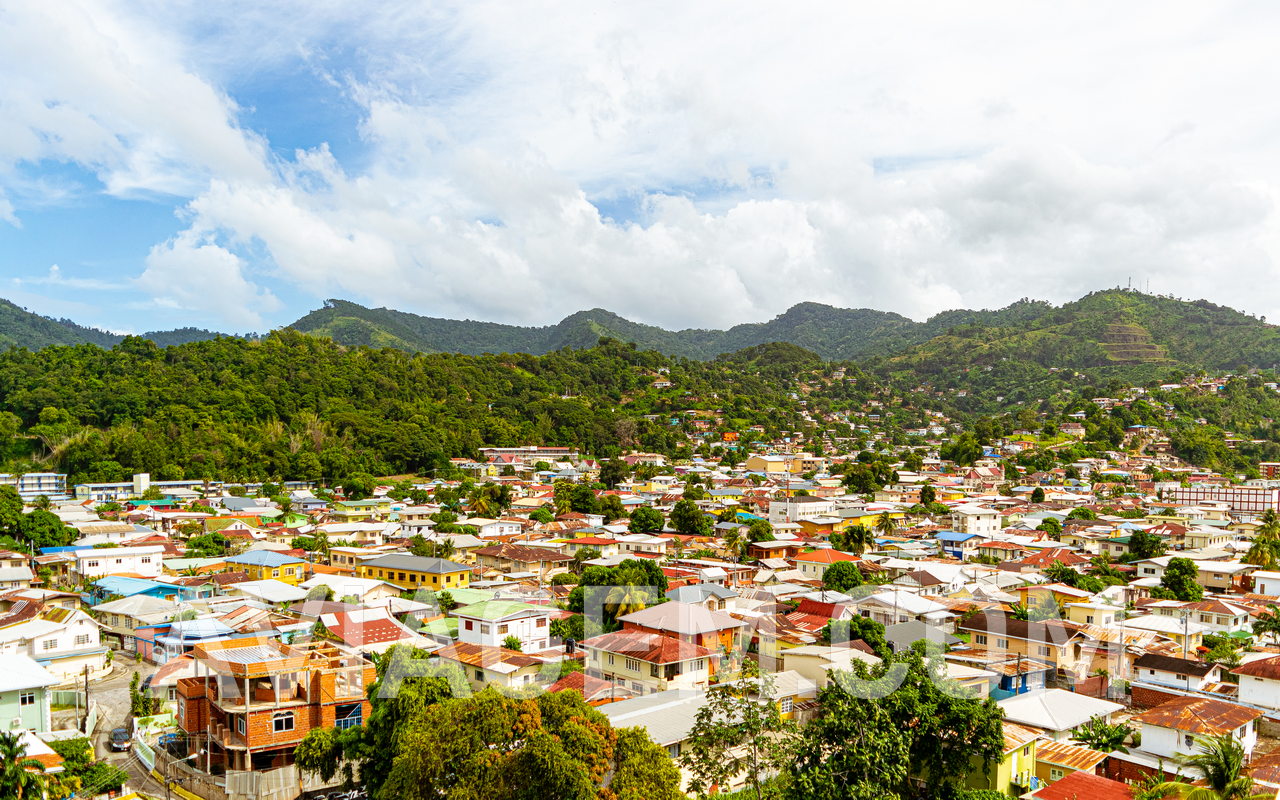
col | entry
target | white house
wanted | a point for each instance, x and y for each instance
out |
(63, 641)
(1260, 682)
(1183, 673)
(1266, 582)
(490, 622)
(140, 560)
(791, 509)
(975, 519)
(1170, 729)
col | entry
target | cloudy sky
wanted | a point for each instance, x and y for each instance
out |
(230, 165)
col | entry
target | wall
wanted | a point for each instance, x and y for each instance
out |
(1259, 692)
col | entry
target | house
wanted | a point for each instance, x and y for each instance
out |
(263, 565)
(958, 544)
(1170, 729)
(896, 605)
(416, 572)
(976, 519)
(271, 592)
(596, 691)
(1080, 785)
(1182, 673)
(24, 694)
(371, 630)
(668, 718)
(142, 561)
(1186, 634)
(1057, 712)
(815, 562)
(1056, 760)
(711, 596)
(1266, 582)
(366, 591)
(120, 618)
(648, 662)
(65, 642)
(253, 700)
(485, 666)
(1015, 771)
(793, 509)
(695, 624)
(816, 662)
(1260, 682)
(15, 573)
(491, 622)
(1217, 616)
(510, 558)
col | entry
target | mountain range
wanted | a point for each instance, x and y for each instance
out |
(1111, 327)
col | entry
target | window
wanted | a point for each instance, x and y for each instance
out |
(49, 644)
(698, 665)
(27, 699)
(786, 706)
(90, 564)
(611, 659)
(1002, 643)
(1180, 677)
(979, 638)
(467, 624)
(479, 674)
(281, 722)
(83, 639)
(1055, 774)
(1044, 651)
(1026, 751)
(502, 629)
(240, 725)
(542, 622)
(146, 559)
(632, 664)
(1088, 619)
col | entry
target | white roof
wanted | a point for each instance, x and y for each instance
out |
(1159, 623)
(20, 672)
(1055, 709)
(270, 590)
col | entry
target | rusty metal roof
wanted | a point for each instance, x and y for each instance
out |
(1201, 715)
(1071, 756)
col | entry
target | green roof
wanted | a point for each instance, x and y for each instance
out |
(444, 626)
(494, 610)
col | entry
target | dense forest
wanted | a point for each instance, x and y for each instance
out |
(296, 406)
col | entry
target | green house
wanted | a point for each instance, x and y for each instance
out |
(24, 694)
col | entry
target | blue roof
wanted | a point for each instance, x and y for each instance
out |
(953, 536)
(264, 558)
(117, 584)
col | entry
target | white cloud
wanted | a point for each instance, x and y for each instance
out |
(191, 274)
(913, 157)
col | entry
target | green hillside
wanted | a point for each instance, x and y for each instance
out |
(22, 328)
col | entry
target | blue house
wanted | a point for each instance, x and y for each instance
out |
(958, 545)
(119, 586)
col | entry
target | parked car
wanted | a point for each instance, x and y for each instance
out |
(120, 739)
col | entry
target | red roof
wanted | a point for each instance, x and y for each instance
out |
(825, 556)
(649, 647)
(1083, 784)
(352, 630)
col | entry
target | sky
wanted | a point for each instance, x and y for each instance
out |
(231, 165)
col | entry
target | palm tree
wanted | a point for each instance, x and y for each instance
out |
(1268, 622)
(1220, 761)
(627, 598)
(1263, 551)
(19, 776)
(1102, 736)
(732, 540)
(886, 524)
(859, 537)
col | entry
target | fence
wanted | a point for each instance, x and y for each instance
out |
(283, 783)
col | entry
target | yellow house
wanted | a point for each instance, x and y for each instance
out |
(1057, 760)
(1091, 613)
(1013, 774)
(265, 565)
(360, 510)
(416, 572)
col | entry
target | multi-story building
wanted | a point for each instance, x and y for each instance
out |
(24, 694)
(416, 572)
(142, 561)
(63, 641)
(251, 701)
(648, 662)
(492, 621)
(976, 519)
(1240, 499)
(31, 485)
(15, 572)
(265, 565)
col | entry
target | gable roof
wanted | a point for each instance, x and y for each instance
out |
(652, 648)
(1083, 784)
(683, 618)
(1201, 715)
(412, 563)
(1055, 709)
(1178, 666)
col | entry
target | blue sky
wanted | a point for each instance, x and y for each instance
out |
(232, 165)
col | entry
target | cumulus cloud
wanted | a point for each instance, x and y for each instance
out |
(914, 158)
(192, 275)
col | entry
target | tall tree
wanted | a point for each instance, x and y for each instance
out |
(20, 776)
(842, 576)
(739, 730)
(688, 519)
(1220, 762)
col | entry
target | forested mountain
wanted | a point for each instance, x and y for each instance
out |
(22, 328)
(302, 406)
(1103, 329)
(1108, 328)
